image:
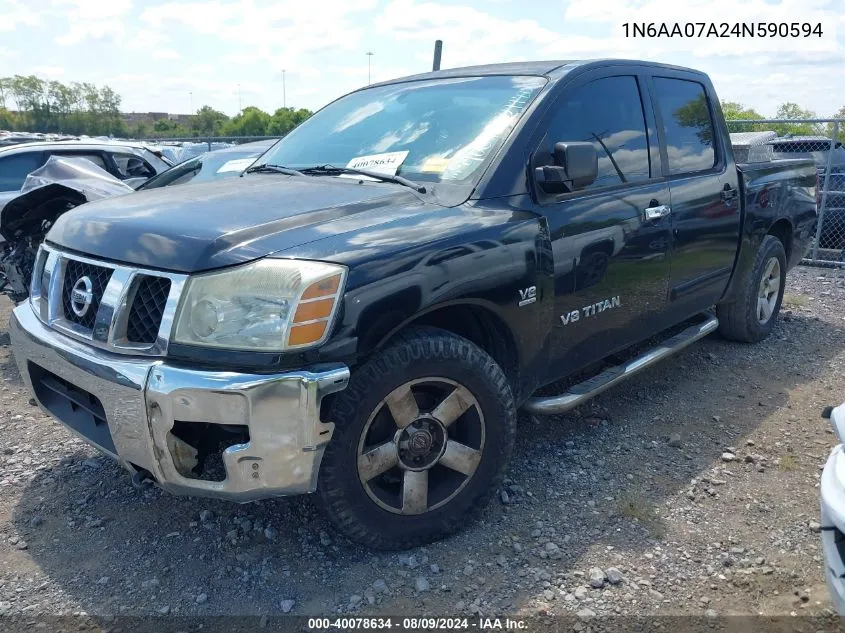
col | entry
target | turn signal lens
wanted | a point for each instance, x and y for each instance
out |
(313, 310)
(306, 334)
(323, 288)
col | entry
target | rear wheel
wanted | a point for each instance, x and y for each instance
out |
(423, 434)
(752, 316)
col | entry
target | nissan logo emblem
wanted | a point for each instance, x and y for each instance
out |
(81, 296)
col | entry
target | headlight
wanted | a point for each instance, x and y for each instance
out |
(270, 305)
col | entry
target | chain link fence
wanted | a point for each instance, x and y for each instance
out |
(819, 140)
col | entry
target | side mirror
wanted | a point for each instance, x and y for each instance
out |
(576, 166)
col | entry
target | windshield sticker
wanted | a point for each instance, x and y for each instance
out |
(436, 164)
(238, 164)
(387, 163)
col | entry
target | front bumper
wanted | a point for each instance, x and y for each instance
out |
(127, 408)
(833, 525)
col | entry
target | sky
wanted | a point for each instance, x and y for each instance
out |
(174, 56)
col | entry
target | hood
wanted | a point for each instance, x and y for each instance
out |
(209, 225)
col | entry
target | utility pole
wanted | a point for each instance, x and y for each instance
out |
(369, 58)
(240, 106)
(438, 51)
(284, 91)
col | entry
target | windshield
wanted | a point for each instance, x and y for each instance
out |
(440, 130)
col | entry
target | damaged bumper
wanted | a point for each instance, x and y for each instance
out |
(248, 436)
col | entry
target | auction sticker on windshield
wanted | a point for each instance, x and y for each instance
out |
(387, 163)
(238, 164)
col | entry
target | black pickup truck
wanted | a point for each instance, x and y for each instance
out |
(362, 314)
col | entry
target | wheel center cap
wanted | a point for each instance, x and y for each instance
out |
(421, 444)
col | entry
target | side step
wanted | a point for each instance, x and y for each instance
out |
(580, 393)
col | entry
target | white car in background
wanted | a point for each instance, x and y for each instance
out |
(833, 514)
(129, 162)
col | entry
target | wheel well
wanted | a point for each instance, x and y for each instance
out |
(481, 326)
(605, 246)
(782, 230)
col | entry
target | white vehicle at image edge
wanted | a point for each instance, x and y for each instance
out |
(833, 514)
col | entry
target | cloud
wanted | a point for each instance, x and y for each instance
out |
(471, 36)
(49, 72)
(222, 43)
(285, 34)
(16, 14)
(94, 19)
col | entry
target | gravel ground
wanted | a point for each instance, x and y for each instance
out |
(689, 490)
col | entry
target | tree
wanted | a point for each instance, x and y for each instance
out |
(208, 122)
(9, 120)
(285, 119)
(251, 121)
(841, 133)
(165, 128)
(734, 111)
(5, 91)
(791, 110)
(29, 103)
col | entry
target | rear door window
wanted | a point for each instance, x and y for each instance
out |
(687, 125)
(95, 158)
(14, 169)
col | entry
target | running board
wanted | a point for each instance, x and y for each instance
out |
(580, 393)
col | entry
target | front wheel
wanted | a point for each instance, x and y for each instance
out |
(423, 434)
(752, 316)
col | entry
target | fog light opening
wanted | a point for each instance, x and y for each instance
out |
(197, 448)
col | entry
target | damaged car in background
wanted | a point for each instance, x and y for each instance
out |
(61, 184)
(67, 182)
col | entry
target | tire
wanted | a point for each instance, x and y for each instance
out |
(744, 319)
(378, 503)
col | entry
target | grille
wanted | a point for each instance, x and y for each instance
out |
(99, 276)
(147, 309)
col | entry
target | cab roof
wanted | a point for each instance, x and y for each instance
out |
(553, 69)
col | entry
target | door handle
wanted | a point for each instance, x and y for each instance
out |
(655, 213)
(728, 194)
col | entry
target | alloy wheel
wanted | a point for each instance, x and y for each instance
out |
(421, 445)
(767, 296)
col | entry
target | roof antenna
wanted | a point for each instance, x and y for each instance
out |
(438, 51)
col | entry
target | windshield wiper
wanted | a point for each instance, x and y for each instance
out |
(331, 169)
(278, 169)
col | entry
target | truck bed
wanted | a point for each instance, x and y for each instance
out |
(781, 189)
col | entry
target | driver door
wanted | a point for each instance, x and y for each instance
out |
(609, 242)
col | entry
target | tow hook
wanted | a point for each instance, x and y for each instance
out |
(142, 479)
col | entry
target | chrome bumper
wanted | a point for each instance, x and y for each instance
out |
(142, 397)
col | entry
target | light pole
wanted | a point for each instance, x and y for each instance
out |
(369, 58)
(284, 91)
(240, 106)
(192, 102)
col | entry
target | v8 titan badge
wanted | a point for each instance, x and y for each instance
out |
(591, 310)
